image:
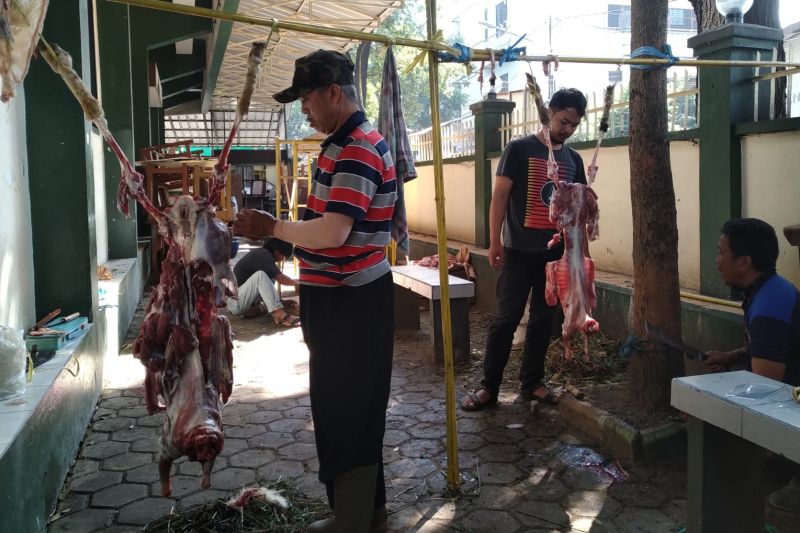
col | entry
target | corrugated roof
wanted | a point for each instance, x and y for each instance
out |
(276, 74)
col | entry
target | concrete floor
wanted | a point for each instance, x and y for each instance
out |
(521, 471)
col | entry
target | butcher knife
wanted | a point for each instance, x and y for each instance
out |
(63, 319)
(675, 344)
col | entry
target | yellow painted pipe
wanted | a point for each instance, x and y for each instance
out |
(710, 299)
(453, 477)
(431, 43)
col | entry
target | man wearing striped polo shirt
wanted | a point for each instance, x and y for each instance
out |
(346, 288)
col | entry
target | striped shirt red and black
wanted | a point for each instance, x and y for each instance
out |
(354, 177)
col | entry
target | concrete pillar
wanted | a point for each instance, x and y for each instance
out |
(114, 67)
(488, 120)
(718, 462)
(727, 97)
(154, 29)
(61, 171)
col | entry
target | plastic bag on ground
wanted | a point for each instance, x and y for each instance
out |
(12, 363)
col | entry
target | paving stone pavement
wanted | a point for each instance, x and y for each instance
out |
(520, 471)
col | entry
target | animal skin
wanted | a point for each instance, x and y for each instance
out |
(184, 343)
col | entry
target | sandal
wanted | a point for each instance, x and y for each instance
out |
(473, 402)
(290, 304)
(529, 394)
(288, 321)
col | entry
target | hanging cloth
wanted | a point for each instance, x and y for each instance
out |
(361, 71)
(392, 126)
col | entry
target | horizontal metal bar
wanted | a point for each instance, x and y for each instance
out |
(477, 54)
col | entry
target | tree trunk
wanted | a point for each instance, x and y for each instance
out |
(766, 13)
(707, 15)
(656, 290)
(763, 13)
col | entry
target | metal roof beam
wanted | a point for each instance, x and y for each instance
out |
(179, 85)
(222, 33)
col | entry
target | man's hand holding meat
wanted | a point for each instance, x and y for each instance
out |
(254, 224)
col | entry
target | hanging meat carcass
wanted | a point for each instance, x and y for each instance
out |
(573, 209)
(20, 25)
(570, 280)
(184, 344)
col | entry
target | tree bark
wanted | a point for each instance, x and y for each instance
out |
(656, 291)
(707, 15)
(763, 13)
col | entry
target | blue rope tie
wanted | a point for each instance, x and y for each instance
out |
(650, 51)
(511, 53)
(627, 348)
(464, 55)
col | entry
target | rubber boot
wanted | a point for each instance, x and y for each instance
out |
(380, 523)
(787, 499)
(380, 520)
(354, 496)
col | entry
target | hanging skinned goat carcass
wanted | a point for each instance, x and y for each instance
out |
(574, 211)
(570, 280)
(184, 344)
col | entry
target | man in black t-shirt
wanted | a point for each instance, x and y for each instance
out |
(255, 274)
(520, 206)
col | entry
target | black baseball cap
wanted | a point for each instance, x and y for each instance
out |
(315, 70)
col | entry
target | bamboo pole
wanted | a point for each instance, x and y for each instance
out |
(453, 478)
(288, 25)
(432, 45)
(776, 74)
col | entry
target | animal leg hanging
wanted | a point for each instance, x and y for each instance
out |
(544, 118)
(608, 101)
(184, 344)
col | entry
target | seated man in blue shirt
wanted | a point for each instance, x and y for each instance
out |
(748, 251)
(256, 274)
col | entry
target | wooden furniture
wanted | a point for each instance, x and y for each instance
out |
(733, 418)
(166, 179)
(167, 151)
(293, 183)
(413, 280)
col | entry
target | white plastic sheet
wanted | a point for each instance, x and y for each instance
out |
(12, 363)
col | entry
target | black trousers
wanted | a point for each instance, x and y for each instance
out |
(349, 332)
(521, 275)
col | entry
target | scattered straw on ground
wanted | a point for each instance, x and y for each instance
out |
(256, 516)
(604, 364)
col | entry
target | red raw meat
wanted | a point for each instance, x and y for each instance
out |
(184, 344)
(570, 280)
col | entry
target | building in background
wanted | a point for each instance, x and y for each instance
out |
(576, 28)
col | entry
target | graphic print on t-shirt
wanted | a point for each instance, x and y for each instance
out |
(540, 190)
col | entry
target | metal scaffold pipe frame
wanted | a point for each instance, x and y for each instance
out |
(482, 54)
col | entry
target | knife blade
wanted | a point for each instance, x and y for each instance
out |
(676, 344)
(63, 319)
